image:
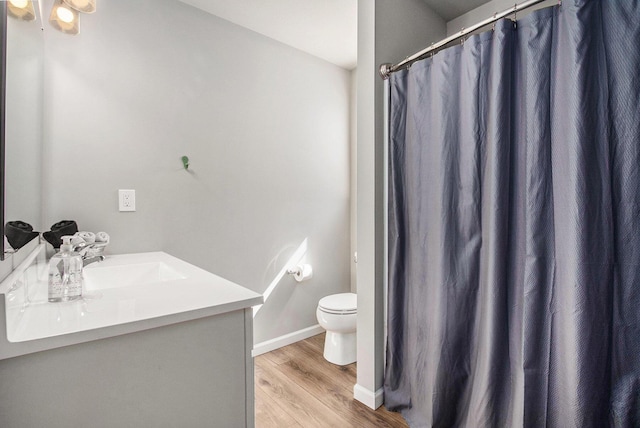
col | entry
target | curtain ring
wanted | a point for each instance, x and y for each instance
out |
(494, 21)
(409, 64)
(515, 15)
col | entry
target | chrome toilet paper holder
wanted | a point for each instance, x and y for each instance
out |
(301, 272)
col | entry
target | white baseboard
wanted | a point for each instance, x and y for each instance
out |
(368, 397)
(287, 339)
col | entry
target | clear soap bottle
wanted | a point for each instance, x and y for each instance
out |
(65, 273)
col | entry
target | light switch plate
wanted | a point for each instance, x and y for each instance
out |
(127, 199)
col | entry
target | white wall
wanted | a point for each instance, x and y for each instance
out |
(23, 133)
(353, 177)
(486, 11)
(266, 128)
(388, 31)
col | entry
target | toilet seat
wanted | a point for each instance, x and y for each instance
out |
(339, 304)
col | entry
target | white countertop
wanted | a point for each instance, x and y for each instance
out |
(125, 293)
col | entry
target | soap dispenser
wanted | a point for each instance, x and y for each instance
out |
(65, 273)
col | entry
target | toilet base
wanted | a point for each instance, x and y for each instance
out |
(340, 348)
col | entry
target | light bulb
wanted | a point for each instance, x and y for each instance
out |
(64, 14)
(21, 9)
(19, 3)
(64, 18)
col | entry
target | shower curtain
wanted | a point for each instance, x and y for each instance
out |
(514, 225)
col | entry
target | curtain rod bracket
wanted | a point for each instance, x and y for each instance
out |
(385, 70)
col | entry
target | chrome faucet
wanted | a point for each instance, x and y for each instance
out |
(89, 260)
(87, 255)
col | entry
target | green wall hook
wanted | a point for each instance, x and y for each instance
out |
(185, 162)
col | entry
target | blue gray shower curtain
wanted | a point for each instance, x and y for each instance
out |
(514, 225)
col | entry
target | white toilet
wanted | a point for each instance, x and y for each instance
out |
(338, 315)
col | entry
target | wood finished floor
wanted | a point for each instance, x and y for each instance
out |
(297, 387)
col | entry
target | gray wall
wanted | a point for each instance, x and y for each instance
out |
(266, 128)
(388, 31)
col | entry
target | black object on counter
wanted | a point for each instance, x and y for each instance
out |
(19, 233)
(58, 230)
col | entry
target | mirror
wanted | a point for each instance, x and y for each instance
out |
(21, 137)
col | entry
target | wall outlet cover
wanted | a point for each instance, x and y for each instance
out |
(127, 200)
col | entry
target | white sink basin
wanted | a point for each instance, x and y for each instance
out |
(98, 277)
(125, 292)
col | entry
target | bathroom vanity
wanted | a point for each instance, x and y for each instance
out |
(155, 342)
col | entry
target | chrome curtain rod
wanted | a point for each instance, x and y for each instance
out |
(387, 68)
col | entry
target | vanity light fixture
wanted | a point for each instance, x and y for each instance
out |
(65, 14)
(21, 9)
(84, 6)
(64, 18)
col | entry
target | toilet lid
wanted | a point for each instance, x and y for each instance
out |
(343, 303)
